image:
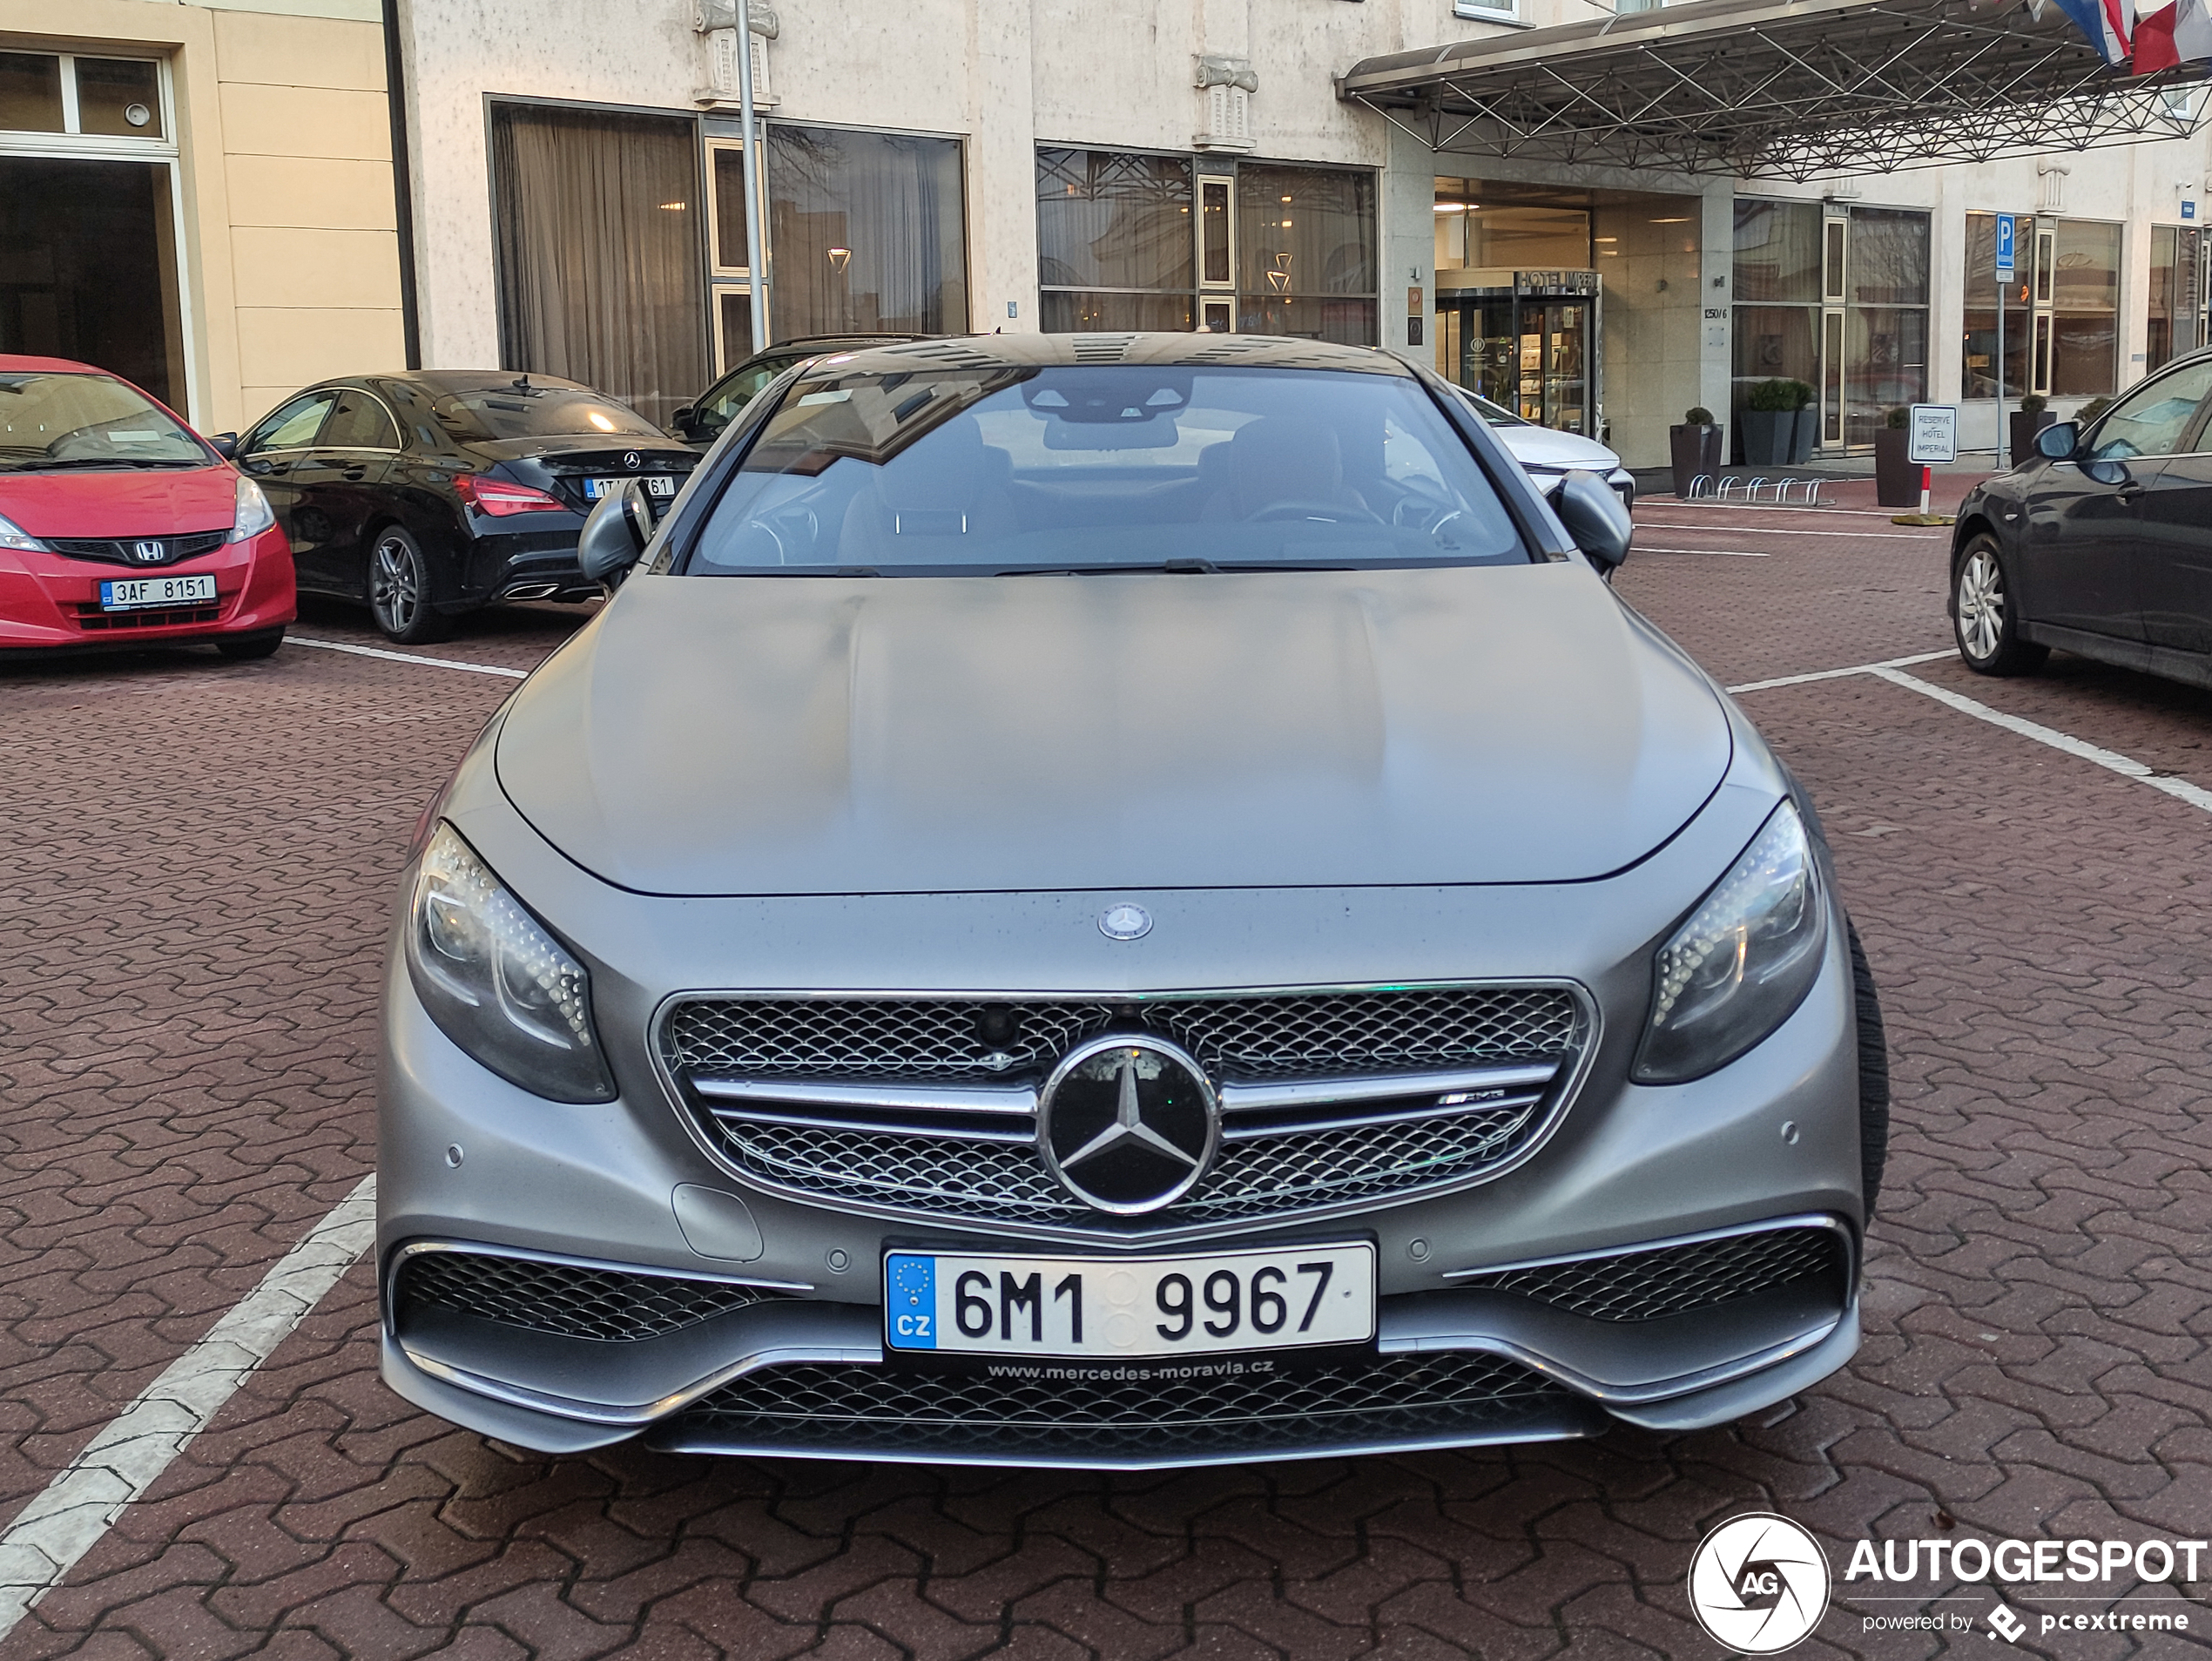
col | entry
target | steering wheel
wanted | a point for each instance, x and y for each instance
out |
(1332, 512)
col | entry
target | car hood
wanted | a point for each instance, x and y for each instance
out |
(782, 736)
(1548, 447)
(125, 502)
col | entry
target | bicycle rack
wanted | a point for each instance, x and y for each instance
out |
(1701, 487)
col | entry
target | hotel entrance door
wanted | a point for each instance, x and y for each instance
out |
(1532, 347)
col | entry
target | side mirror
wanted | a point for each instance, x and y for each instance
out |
(615, 534)
(225, 445)
(680, 423)
(2059, 442)
(1596, 518)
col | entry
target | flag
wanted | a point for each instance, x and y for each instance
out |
(2181, 33)
(2100, 20)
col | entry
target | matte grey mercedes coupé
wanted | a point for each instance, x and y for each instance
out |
(1118, 900)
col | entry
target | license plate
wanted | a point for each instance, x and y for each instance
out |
(126, 593)
(659, 484)
(1147, 1309)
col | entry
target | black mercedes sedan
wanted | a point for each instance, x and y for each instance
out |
(2100, 543)
(430, 493)
(701, 422)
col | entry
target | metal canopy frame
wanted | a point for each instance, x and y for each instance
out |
(1786, 89)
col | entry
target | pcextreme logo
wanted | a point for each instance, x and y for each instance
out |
(1759, 1584)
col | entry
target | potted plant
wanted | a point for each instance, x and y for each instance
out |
(2031, 418)
(1694, 447)
(1768, 424)
(1808, 422)
(1897, 477)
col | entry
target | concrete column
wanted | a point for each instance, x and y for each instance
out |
(1001, 167)
(1407, 245)
(1717, 300)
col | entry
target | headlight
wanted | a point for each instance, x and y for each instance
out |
(254, 516)
(1739, 968)
(496, 983)
(13, 536)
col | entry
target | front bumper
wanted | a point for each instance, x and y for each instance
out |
(51, 601)
(795, 1364)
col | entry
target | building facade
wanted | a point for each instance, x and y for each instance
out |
(199, 194)
(944, 166)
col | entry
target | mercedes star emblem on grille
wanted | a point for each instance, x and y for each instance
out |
(1128, 1122)
(632, 461)
(1125, 922)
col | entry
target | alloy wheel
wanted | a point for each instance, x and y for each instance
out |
(394, 585)
(1981, 605)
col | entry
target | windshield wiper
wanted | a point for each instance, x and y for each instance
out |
(1179, 567)
(96, 461)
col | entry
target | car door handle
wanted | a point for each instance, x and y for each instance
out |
(2128, 492)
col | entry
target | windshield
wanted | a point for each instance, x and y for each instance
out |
(1496, 415)
(49, 421)
(518, 409)
(1103, 468)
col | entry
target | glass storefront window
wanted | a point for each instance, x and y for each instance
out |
(1978, 364)
(2175, 305)
(1885, 364)
(597, 235)
(1889, 257)
(1306, 252)
(1777, 251)
(1118, 248)
(868, 233)
(2085, 310)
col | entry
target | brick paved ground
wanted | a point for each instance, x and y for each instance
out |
(195, 889)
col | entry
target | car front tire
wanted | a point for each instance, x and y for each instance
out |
(1984, 620)
(399, 589)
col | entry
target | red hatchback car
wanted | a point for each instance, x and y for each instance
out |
(120, 526)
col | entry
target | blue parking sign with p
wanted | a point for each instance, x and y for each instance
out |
(2003, 245)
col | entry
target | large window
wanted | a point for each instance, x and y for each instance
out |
(1113, 241)
(866, 233)
(2085, 309)
(1777, 295)
(1285, 250)
(2175, 303)
(1978, 375)
(600, 276)
(1306, 239)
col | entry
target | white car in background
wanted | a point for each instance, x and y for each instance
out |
(1549, 455)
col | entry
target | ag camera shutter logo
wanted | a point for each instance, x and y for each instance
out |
(1759, 1584)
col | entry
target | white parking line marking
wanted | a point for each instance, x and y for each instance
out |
(406, 656)
(1788, 531)
(1733, 553)
(2112, 760)
(71, 1514)
(1838, 674)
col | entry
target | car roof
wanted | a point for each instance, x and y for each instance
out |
(1153, 350)
(52, 365)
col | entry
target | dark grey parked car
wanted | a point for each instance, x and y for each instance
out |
(2100, 543)
(1118, 900)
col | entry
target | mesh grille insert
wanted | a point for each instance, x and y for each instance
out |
(1645, 1285)
(563, 1298)
(1249, 1038)
(856, 1407)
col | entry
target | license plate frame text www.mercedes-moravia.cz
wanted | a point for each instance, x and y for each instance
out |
(1305, 1304)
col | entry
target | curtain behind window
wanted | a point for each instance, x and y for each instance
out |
(599, 258)
(867, 232)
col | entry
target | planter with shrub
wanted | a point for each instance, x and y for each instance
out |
(2031, 418)
(1897, 477)
(1695, 448)
(1771, 422)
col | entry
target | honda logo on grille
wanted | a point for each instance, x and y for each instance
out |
(149, 553)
